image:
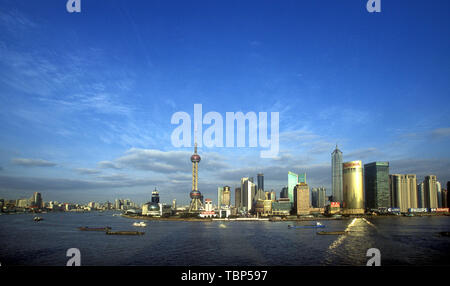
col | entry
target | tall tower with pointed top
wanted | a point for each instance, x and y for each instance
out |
(196, 202)
(336, 175)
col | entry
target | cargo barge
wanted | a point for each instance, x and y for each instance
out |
(125, 233)
(331, 232)
(85, 228)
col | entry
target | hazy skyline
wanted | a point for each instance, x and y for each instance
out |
(86, 98)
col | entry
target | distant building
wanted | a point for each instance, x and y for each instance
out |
(260, 179)
(292, 182)
(36, 201)
(439, 194)
(420, 195)
(448, 193)
(174, 204)
(155, 196)
(223, 196)
(314, 197)
(281, 207)
(445, 198)
(353, 192)
(318, 197)
(208, 212)
(219, 196)
(284, 193)
(263, 207)
(248, 191)
(237, 198)
(321, 197)
(301, 199)
(376, 185)
(336, 176)
(403, 191)
(430, 192)
(226, 196)
(153, 207)
(23, 203)
(270, 196)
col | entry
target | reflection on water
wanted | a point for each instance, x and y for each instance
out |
(401, 240)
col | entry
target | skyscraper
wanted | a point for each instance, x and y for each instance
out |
(314, 197)
(196, 196)
(284, 193)
(353, 193)
(237, 198)
(261, 182)
(219, 197)
(403, 190)
(376, 184)
(420, 195)
(321, 197)
(248, 192)
(445, 198)
(37, 200)
(292, 182)
(226, 196)
(155, 196)
(430, 192)
(439, 194)
(448, 194)
(336, 175)
(301, 199)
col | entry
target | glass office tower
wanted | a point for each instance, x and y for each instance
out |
(336, 175)
(376, 185)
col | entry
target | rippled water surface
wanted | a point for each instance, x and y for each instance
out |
(401, 240)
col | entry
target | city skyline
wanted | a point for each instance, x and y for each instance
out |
(86, 116)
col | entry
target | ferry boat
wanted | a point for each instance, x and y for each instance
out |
(141, 224)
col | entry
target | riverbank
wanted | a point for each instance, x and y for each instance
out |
(273, 219)
(164, 218)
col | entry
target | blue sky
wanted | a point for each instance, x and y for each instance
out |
(86, 98)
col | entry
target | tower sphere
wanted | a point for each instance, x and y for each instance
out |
(195, 194)
(195, 158)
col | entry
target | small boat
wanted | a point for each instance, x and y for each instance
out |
(37, 218)
(141, 224)
(409, 215)
(331, 232)
(316, 225)
(125, 233)
(94, 228)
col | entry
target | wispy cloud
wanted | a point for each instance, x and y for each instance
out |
(32, 162)
(14, 21)
(440, 133)
(85, 171)
(108, 165)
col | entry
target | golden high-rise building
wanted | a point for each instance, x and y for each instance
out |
(226, 196)
(301, 199)
(353, 188)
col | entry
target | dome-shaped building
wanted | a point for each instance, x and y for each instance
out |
(152, 208)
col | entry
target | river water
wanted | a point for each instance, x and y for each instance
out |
(401, 241)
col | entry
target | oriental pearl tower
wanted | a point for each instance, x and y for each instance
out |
(196, 203)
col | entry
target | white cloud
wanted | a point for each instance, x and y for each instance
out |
(32, 162)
